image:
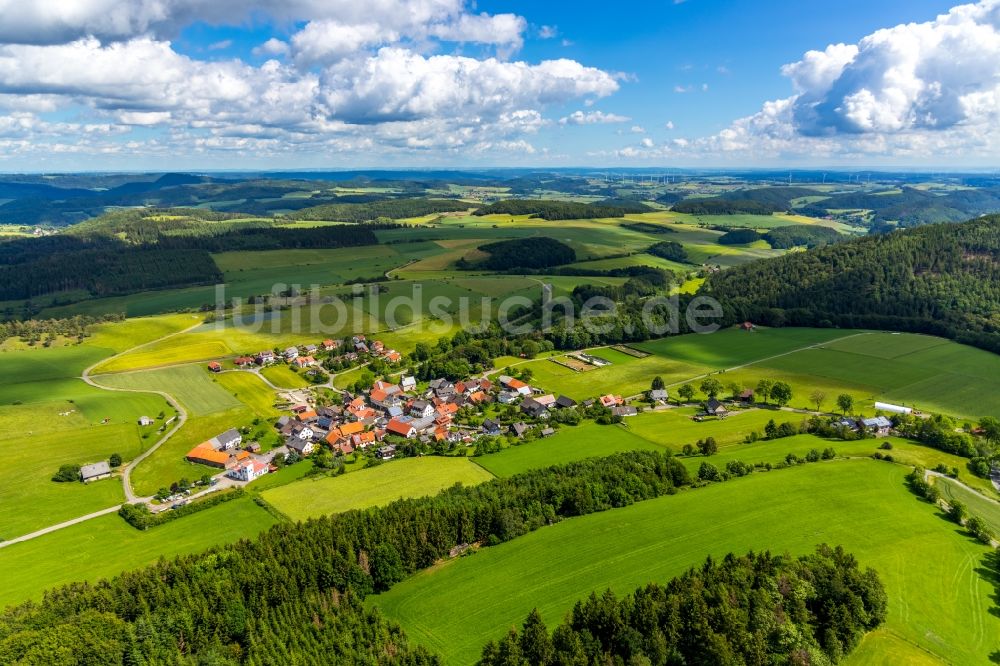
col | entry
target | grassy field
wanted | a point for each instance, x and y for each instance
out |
(167, 464)
(106, 546)
(977, 504)
(283, 376)
(251, 390)
(570, 443)
(410, 477)
(938, 607)
(196, 388)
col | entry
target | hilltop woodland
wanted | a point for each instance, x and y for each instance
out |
(938, 279)
(755, 609)
(563, 210)
(783, 238)
(524, 253)
(261, 602)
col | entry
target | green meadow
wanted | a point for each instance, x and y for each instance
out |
(376, 486)
(942, 610)
(106, 546)
(194, 386)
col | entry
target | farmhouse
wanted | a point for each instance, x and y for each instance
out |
(227, 440)
(658, 395)
(145, 421)
(491, 427)
(746, 396)
(386, 452)
(715, 408)
(421, 409)
(611, 400)
(95, 472)
(520, 428)
(243, 361)
(215, 366)
(878, 426)
(265, 357)
(401, 428)
(291, 353)
(247, 471)
(624, 410)
(206, 454)
(304, 361)
(330, 345)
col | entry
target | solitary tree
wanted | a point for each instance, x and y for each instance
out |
(711, 387)
(781, 393)
(764, 389)
(845, 402)
(115, 460)
(657, 384)
(817, 398)
(991, 429)
(957, 512)
(685, 393)
(708, 446)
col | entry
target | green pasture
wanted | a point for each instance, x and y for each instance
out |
(283, 376)
(106, 546)
(986, 508)
(939, 601)
(251, 390)
(194, 386)
(409, 477)
(570, 443)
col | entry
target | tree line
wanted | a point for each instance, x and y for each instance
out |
(394, 209)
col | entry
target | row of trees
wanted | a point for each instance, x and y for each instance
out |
(563, 210)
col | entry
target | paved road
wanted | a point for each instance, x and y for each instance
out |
(53, 528)
(182, 415)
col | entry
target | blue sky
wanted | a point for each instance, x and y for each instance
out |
(187, 84)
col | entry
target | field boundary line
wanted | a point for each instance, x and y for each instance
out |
(59, 526)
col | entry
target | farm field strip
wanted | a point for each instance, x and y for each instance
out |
(383, 484)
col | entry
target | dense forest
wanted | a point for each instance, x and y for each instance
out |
(939, 279)
(292, 595)
(754, 609)
(912, 207)
(394, 209)
(540, 252)
(669, 250)
(563, 210)
(720, 206)
(784, 238)
(780, 197)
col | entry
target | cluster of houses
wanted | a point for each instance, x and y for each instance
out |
(306, 356)
(402, 411)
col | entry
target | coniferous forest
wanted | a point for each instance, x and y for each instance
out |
(938, 279)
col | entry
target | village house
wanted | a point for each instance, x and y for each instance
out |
(243, 361)
(491, 428)
(520, 428)
(563, 402)
(95, 472)
(265, 357)
(746, 396)
(507, 397)
(330, 345)
(302, 432)
(386, 452)
(304, 361)
(291, 353)
(548, 432)
(215, 366)
(311, 349)
(624, 410)
(421, 409)
(658, 395)
(534, 408)
(247, 471)
(300, 446)
(401, 427)
(307, 416)
(408, 383)
(715, 408)
(610, 400)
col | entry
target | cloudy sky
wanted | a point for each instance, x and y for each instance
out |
(217, 84)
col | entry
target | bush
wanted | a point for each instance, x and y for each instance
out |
(67, 473)
(979, 529)
(115, 460)
(140, 517)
